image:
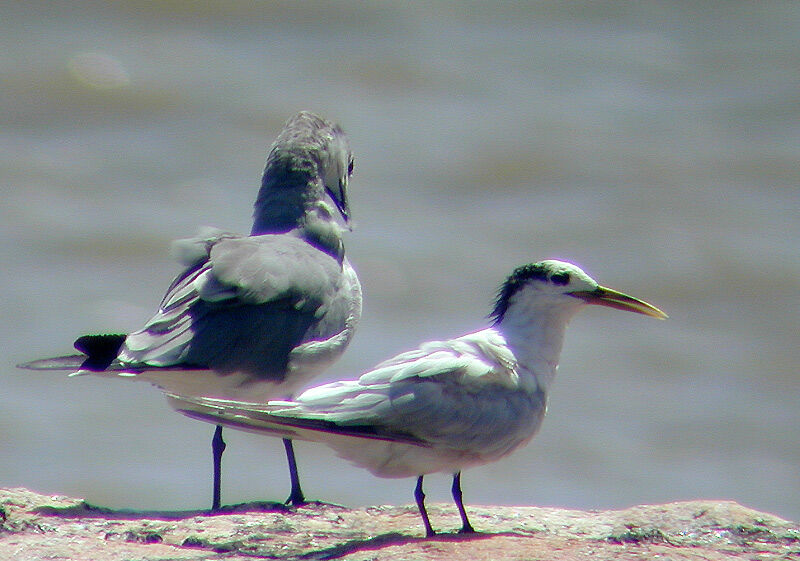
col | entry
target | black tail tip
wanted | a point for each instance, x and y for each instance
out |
(101, 350)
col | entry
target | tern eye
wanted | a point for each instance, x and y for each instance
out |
(350, 168)
(560, 278)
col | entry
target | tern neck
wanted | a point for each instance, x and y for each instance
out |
(536, 338)
(319, 229)
(288, 191)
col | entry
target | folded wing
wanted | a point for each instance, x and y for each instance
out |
(460, 394)
(242, 305)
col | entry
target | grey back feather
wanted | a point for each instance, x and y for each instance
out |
(246, 307)
(281, 300)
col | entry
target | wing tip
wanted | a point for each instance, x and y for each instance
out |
(66, 362)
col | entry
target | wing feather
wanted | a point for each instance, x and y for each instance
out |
(458, 395)
(455, 393)
(445, 393)
(245, 295)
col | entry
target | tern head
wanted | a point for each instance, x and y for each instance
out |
(312, 157)
(561, 288)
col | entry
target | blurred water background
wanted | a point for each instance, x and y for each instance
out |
(655, 144)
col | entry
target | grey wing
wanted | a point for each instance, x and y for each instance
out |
(439, 396)
(257, 417)
(244, 307)
(438, 411)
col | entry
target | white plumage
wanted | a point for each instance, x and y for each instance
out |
(447, 405)
(252, 317)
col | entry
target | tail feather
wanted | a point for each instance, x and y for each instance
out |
(67, 362)
(265, 419)
(99, 352)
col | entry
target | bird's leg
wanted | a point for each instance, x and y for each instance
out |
(419, 495)
(296, 497)
(466, 527)
(217, 448)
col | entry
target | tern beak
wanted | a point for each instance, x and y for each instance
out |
(603, 296)
(341, 203)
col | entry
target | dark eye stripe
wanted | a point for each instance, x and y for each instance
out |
(560, 278)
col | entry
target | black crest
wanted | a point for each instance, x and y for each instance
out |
(517, 280)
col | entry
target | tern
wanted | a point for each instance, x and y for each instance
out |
(251, 317)
(447, 405)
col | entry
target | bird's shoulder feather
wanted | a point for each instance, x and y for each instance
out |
(473, 361)
(229, 273)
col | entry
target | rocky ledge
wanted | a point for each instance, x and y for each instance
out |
(37, 527)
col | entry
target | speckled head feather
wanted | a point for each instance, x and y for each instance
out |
(511, 286)
(300, 146)
(541, 271)
(310, 157)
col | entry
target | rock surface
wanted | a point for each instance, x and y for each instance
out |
(37, 527)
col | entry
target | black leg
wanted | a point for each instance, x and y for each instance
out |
(420, 498)
(217, 448)
(466, 527)
(296, 497)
